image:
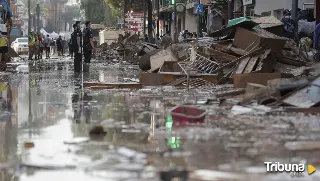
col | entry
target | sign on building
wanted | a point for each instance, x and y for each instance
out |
(134, 21)
(198, 9)
(248, 2)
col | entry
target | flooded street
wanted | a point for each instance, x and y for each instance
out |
(50, 130)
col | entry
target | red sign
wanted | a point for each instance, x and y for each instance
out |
(134, 21)
(137, 15)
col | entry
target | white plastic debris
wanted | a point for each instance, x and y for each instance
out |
(22, 69)
(131, 153)
(237, 110)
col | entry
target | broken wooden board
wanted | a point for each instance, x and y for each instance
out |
(260, 63)
(193, 83)
(229, 49)
(311, 110)
(224, 57)
(241, 80)
(157, 60)
(170, 67)
(101, 86)
(164, 78)
(242, 65)
(251, 64)
(306, 97)
(250, 40)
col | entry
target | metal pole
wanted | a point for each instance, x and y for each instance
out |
(175, 34)
(230, 11)
(38, 17)
(34, 23)
(294, 15)
(144, 16)
(150, 20)
(317, 10)
(30, 110)
(158, 27)
(29, 18)
(198, 19)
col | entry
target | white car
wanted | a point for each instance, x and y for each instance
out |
(20, 45)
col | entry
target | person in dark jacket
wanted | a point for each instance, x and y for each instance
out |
(70, 47)
(88, 45)
(59, 46)
(76, 38)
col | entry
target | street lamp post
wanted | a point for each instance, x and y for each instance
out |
(230, 11)
(29, 18)
(198, 19)
(30, 110)
(295, 18)
(158, 28)
(38, 17)
(175, 35)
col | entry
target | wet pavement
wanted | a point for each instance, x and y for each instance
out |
(46, 117)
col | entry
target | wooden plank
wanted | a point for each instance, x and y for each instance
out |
(251, 64)
(242, 65)
(220, 55)
(156, 79)
(241, 80)
(98, 86)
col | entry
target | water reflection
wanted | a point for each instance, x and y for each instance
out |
(81, 106)
(8, 124)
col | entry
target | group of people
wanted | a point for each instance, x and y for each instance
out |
(38, 43)
(81, 43)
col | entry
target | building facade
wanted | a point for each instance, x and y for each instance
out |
(185, 18)
(273, 7)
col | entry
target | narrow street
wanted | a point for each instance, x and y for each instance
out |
(45, 133)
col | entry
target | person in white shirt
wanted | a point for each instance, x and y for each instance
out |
(46, 43)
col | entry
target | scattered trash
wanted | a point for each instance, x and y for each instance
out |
(78, 140)
(184, 115)
(28, 145)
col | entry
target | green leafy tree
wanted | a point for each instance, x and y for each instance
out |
(94, 10)
(72, 12)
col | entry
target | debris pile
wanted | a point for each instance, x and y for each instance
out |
(248, 56)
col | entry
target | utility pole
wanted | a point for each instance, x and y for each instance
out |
(158, 27)
(34, 22)
(317, 10)
(198, 19)
(38, 17)
(294, 15)
(230, 11)
(150, 20)
(144, 16)
(29, 18)
(175, 35)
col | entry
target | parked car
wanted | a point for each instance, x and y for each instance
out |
(20, 45)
